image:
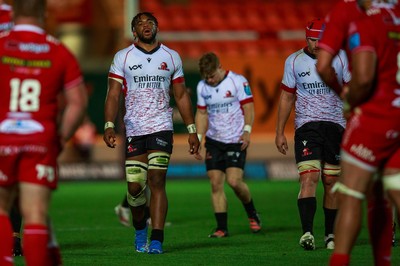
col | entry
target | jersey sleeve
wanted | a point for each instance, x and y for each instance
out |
(360, 36)
(117, 67)
(178, 76)
(201, 104)
(244, 91)
(289, 79)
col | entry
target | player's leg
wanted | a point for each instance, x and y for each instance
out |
(235, 162)
(309, 172)
(219, 202)
(16, 221)
(333, 134)
(351, 188)
(380, 221)
(34, 204)
(330, 174)
(308, 144)
(158, 165)
(234, 178)
(6, 243)
(53, 246)
(216, 165)
(136, 177)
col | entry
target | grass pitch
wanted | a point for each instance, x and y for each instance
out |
(90, 234)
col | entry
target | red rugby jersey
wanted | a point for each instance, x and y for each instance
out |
(380, 34)
(34, 69)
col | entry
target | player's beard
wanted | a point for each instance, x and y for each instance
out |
(148, 40)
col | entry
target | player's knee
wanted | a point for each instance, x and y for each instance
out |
(234, 183)
(309, 172)
(331, 173)
(158, 160)
(137, 200)
(391, 182)
(136, 172)
(342, 188)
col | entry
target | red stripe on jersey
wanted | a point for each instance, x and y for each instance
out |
(178, 80)
(112, 75)
(286, 88)
(248, 100)
(201, 107)
(73, 83)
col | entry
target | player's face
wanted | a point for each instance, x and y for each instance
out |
(146, 30)
(312, 45)
(213, 78)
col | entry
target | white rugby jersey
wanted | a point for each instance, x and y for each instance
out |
(315, 100)
(146, 79)
(223, 103)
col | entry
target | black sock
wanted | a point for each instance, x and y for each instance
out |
(307, 208)
(330, 215)
(124, 202)
(147, 212)
(140, 225)
(16, 219)
(222, 220)
(250, 210)
(157, 234)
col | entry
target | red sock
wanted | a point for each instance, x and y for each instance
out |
(35, 242)
(339, 260)
(6, 243)
(380, 230)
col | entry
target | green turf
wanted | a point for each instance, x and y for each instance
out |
(89, 233)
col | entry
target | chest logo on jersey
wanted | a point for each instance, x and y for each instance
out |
(163, 66)
(303, 74)
(228, 94)
(134, 67)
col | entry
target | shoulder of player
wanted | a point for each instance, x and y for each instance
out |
(294, 56)
(235, 76)
(169, 50)
(5, 7)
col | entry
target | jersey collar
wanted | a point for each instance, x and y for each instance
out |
(27, 27)
(305, 49)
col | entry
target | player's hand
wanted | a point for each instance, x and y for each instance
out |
(109, 137)
(245, 140)
(281, 144)
(194, 145)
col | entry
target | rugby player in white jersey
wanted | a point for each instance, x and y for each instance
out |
(225, 115)
(319, 125)
(145, 71)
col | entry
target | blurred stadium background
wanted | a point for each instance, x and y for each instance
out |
(252, 37)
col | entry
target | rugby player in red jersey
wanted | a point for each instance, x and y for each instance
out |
(15, 216)
(36, 70)
(373, 97)
(333, 39)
